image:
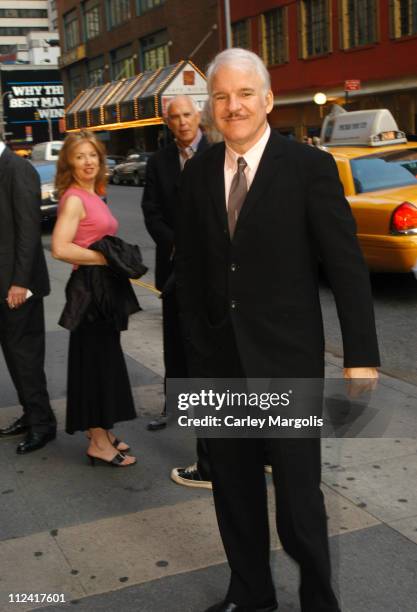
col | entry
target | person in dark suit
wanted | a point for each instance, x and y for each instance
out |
(256, 215)
(159, 205)
(23, 284)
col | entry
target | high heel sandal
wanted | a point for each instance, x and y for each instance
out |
(117, 460)
(116, 443)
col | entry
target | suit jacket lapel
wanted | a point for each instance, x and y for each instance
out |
(5, 158)
(215, 184)
(268, 171)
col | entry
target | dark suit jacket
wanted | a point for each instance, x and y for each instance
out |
(22, 261)
(265, 279)
(159, 205)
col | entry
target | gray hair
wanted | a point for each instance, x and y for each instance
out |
(212, 133)
(184, 97)
(241, 59)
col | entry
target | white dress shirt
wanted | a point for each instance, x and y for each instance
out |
(187, 152)
(251, 157)
(2, 147)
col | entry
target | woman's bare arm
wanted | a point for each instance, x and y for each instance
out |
(64, 232)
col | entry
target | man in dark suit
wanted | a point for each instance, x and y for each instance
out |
(159, 206)
(256, 215)
(23, 284)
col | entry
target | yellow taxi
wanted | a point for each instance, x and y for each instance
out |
(378, 169)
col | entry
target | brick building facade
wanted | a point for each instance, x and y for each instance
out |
(104, 40)
(309, 46)
(313, 46)
(107, 40)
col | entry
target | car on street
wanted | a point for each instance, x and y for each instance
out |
(46, 151)
(112, 161)
(49, 206)
(132, 170)
(378, 170)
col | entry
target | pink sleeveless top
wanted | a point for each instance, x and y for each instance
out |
(99, 221)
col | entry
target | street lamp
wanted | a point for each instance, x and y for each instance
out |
(320, 99)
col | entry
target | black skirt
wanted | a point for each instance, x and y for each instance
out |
(98, 388)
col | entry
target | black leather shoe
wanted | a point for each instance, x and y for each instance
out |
(229, 606)
(157, 424)
(35, 440)
(14, 429)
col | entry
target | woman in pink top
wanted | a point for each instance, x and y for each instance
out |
(98, 389)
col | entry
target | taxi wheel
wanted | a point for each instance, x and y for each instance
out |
(116, 179)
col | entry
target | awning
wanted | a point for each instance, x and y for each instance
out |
(136, 101)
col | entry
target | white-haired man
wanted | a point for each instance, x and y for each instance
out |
(257, 213)
(159, 206)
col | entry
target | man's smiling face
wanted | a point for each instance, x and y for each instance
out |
(240, 106)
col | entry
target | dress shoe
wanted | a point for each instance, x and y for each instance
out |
(229, 606)
(158, 423)
(35, 440)
(14, 429)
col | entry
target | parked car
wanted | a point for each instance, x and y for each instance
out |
(46, 151)
(112, 161)
(49, 206)
(378, 169)
(132, 170)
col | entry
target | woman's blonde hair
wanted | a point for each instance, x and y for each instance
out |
(64, 172)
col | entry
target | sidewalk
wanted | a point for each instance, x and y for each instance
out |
(132, 540)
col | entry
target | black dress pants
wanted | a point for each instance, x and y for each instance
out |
(239, 489)
(240, 497)
(22, 337)
(176, 364)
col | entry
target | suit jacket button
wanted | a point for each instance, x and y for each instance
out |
(233, 267)
(233, 304)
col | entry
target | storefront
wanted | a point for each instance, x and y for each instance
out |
(129, 113)
(298, 115)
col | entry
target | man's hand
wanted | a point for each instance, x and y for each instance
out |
(16, 296)
(360, 380)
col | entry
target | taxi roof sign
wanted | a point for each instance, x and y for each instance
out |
(370, 128)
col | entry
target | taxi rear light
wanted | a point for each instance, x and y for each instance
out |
(404, 219)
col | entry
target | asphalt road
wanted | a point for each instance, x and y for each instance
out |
(395, 295)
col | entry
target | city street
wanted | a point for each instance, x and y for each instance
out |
(132, 540)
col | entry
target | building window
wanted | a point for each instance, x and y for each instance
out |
(403, 18)
(91, 20)
(314, 27)
(274, 36)
(118, 11)
(6, 49)
(91, 12)
(359, 25)
(155, 51)
(75, 82)
(122, 63)
(147, 5)
(71, 30)
(240, 34)
(24, 13)
(95, 71)
(13, 31)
